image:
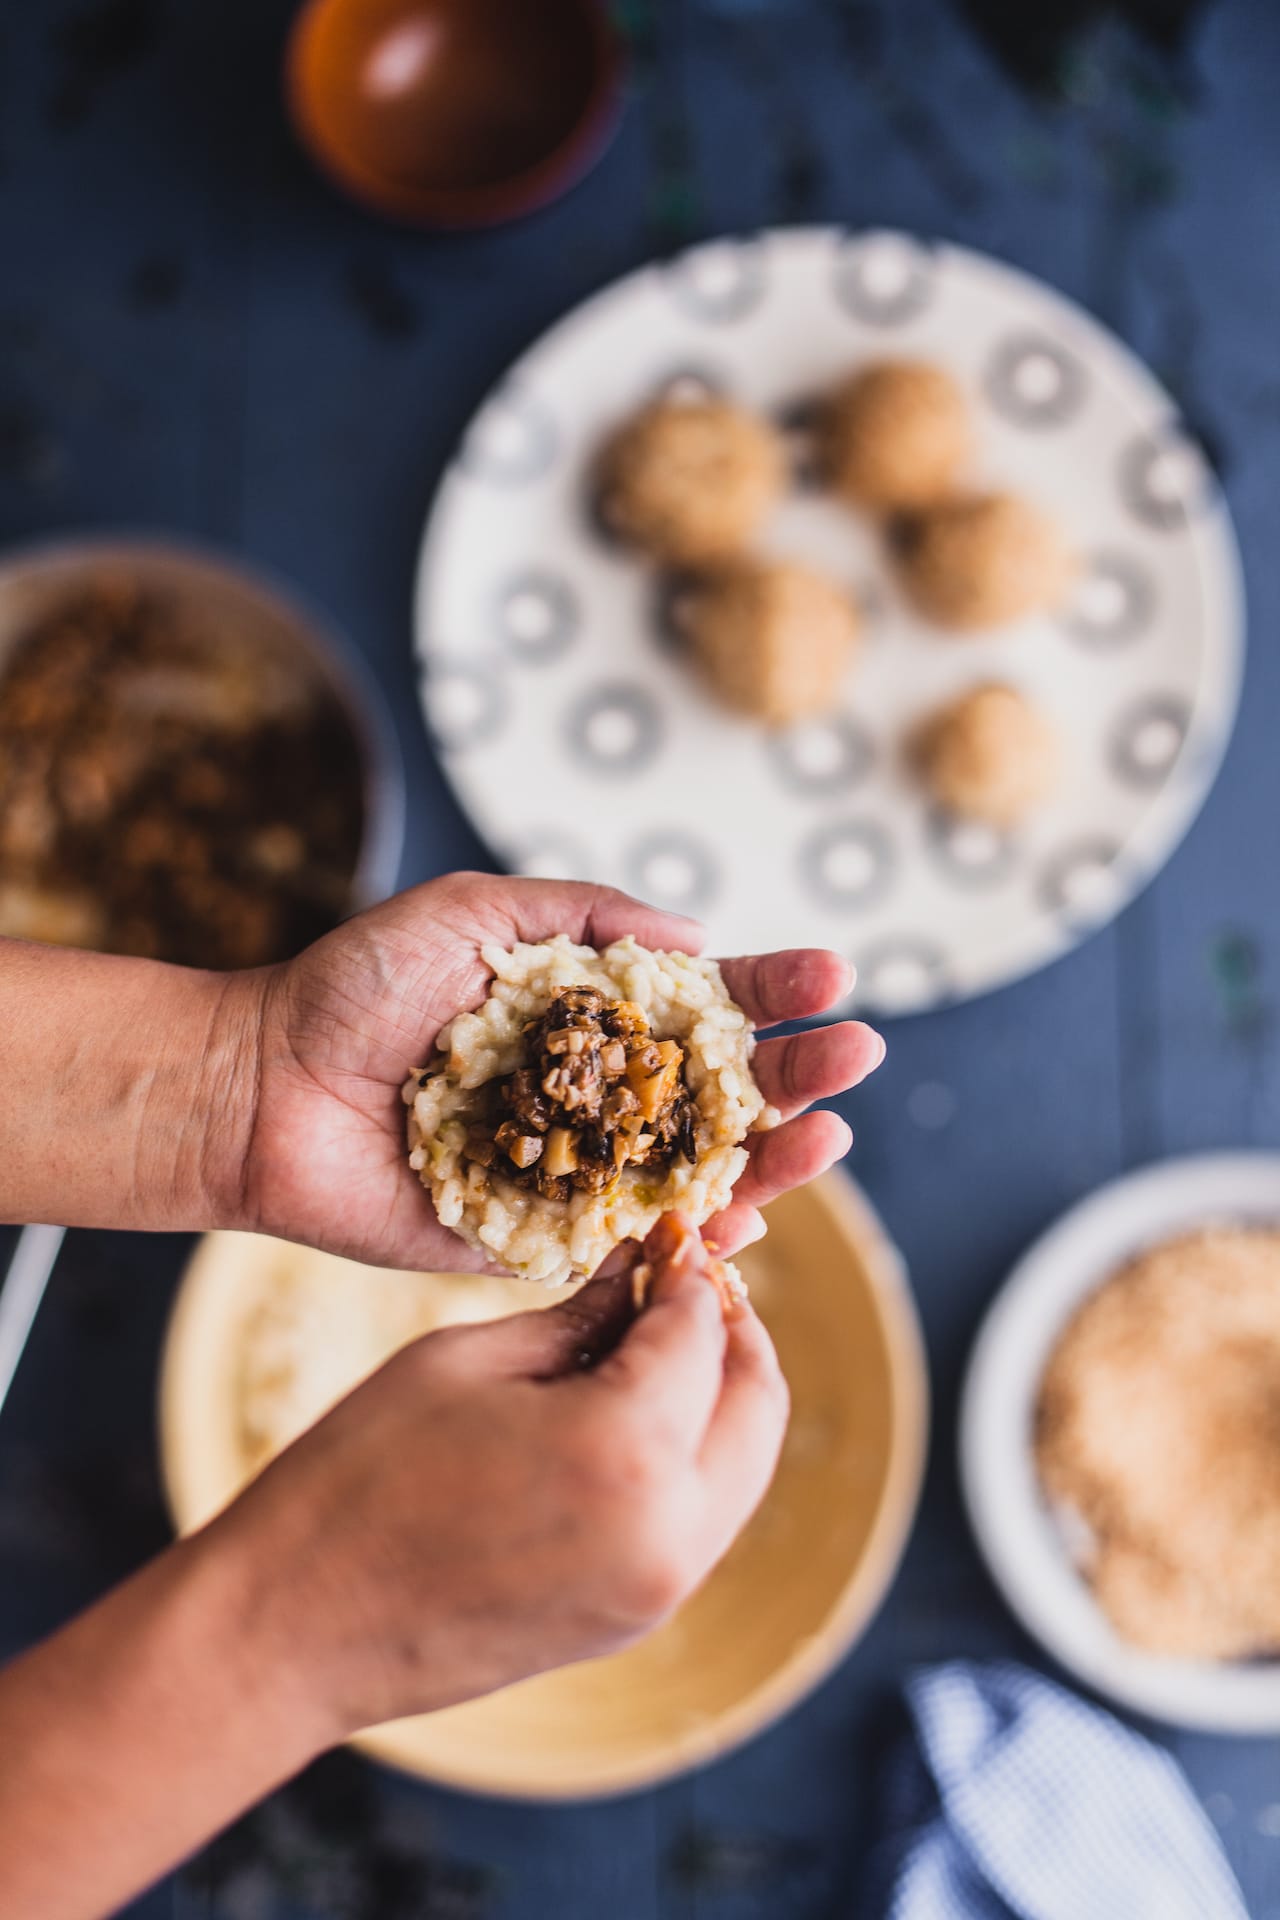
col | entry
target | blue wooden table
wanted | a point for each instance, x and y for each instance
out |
(197, 335)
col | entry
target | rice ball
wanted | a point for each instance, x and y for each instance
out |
(590, 1093)
(989, 756)
(773, 639)
(895, 436)
(687, 481)
(982, 560)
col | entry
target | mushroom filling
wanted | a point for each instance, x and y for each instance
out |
(596, 1093)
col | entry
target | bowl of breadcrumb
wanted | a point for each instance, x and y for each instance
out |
(1120, 1442)
(193, 767)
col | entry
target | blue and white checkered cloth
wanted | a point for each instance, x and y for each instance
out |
(1017, 1801)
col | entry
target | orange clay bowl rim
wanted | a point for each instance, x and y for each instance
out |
(524, 192)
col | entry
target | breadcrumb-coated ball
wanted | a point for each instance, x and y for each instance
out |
(1155, 1435)
(982, 560)
(688, 481)
(773, 639)
(895, 436)
(990, 756)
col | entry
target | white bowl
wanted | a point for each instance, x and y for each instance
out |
(1016, 1532)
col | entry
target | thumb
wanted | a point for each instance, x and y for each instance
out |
(548, 1342)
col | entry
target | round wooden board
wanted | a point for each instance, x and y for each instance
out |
(778, 1613)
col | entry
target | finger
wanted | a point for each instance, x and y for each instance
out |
(407, 1234)
(791, 985)
(614, 915)
(671, 1356)
(734, 1228)
(793, 1072)
(740, 1450)
(790, 1156)
(549, 1342)
(594, 916)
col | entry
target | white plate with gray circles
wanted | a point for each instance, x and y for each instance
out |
(581, 745)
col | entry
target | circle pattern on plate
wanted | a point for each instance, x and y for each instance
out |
(550, 855)
(905, 974)
(1080, 884)
(883, 279)
(577, 733)
(1165, 479)
(1148, 739)
(537, 615)
(720, 282)
(849, 863)
(827, 755)
(512, 441)
(616, 729)
(972, 853)
(466, 704)
(1035, 382)
(1112, 601)
(673, 870)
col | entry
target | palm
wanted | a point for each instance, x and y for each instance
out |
(348, 1019)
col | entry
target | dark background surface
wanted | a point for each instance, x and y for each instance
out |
(197, 335)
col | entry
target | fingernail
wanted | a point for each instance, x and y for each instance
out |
(668, 1238)
(673, 1246)
(884, 1049)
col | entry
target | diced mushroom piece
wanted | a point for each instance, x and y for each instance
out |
(628, 1017)
(582, 999)
(561, 1155)
(567, 1040)
(480, 1148)
(654, 1086)
(619, 1104)
(596, 1093)
(522, 1149)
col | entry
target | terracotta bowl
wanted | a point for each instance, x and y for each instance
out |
(775, 1617)
(453, 113)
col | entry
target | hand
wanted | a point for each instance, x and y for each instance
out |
(341, 1025)
(485, 1507)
